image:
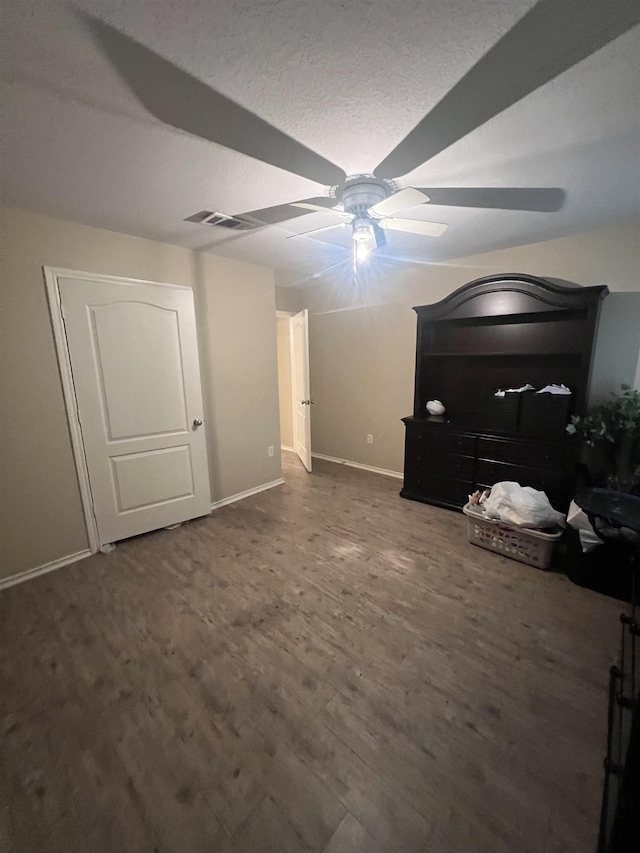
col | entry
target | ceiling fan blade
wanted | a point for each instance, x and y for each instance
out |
(283, 212)
(177, 98)
(320, 208)
(398, 201)
(317, 230)
(552, 36)
(542, 199)
(415, 226)
(379, 235)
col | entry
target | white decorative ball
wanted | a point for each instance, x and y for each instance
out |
(435, 407)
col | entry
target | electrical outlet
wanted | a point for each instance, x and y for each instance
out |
(270, 450)
(369, 439)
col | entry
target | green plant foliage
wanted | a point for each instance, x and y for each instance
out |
(610, 421)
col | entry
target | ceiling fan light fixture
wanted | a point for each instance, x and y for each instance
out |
(363, 250)
(362, 230)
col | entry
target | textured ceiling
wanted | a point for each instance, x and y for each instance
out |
(348, 79)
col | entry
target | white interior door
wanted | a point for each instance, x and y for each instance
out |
(134, 358)
(300, 381)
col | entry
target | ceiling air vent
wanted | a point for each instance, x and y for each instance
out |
(211, 217)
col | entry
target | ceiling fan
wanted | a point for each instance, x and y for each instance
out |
(368, 205)
(550, 38)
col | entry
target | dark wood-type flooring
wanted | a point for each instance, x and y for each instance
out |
(323, 666)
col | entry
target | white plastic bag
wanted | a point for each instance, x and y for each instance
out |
(521, 506)
(579, 520)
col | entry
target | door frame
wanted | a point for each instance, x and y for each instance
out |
(51, 278)
(289, 315)
(293, 385)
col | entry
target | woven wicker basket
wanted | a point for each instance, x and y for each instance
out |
(532, 547)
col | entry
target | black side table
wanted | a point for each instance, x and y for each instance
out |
(615, 516)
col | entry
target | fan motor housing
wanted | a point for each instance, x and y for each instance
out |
(361, 192)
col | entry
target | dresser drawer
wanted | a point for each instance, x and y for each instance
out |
(449, 464)
(528, 454)
(452, 443)
(435, 487)
(488, 473)
(439, 442)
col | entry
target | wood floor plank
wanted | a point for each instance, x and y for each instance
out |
(351, 837)
(294, 788)
(267, 830)
(381, 809)
(321, 667)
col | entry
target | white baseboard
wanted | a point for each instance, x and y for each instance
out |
(242, 495)
(42, 570)
(385, 471)
(286, 447)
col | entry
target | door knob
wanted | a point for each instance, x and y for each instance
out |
(196, 423)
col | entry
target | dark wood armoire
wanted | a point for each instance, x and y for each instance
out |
(499, 332)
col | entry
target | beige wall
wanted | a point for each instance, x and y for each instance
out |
(617, 351)
(287, 299)
(283, 336)
(41, 517)
(362, 339)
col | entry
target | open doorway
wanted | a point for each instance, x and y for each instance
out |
(285, 391)
(295, 401)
